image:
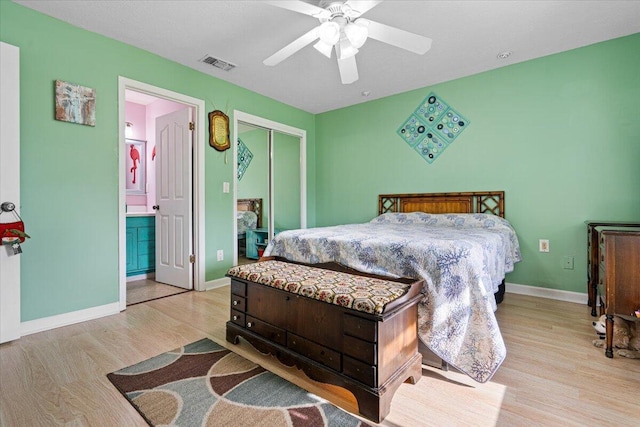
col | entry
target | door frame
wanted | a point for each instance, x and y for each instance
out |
(197, 175)
(271, 126)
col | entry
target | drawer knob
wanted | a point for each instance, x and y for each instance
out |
(235, 302)
(235, 317)
(249, 324)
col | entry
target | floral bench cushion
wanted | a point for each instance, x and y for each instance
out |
(366, 294)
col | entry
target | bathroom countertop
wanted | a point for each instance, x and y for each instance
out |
(130, 214)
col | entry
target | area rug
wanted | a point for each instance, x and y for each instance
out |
(205, 384)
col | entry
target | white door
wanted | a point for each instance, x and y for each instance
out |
(10, 188)
(174, 199)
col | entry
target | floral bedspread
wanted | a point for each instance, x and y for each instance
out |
(246, 220)
(462, 258)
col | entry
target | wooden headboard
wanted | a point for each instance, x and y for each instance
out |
(254, 205)
(470, 202)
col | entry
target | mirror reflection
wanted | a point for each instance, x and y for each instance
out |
(268, 187)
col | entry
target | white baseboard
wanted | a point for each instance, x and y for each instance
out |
(218, 283)
(65, 319)
(535, 291)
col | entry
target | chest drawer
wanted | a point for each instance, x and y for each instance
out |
(360, 328)
(314, 351)
(359, 349)
(238, 303)
(238, 317)
(266, 330)
(360, 371)
(238, 288)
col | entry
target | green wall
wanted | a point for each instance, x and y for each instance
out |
(69, 174)
(560, 135)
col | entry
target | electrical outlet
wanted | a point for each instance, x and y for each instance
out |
(220, 255)
(544, 245)
(567, 263)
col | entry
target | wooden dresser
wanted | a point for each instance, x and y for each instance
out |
(618, 274)
(369, 354)
(593, 263)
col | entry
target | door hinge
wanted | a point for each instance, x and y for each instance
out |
(192, 259)
(192, 126)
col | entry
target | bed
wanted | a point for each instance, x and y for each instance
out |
(459, 243)
(248, 216)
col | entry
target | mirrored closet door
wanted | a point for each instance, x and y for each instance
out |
(270, 182)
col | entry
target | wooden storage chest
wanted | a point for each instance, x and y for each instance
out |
(369, 354)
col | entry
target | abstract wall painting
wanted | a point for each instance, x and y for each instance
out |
(75, 103)
(432, 127)
(244, 158)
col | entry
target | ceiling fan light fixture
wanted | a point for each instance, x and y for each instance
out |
(347, 50)
(323, 48)
(329, 32)
(357, 32)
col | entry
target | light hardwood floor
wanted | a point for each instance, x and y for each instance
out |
(553, 376)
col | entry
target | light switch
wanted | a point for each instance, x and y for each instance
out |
(225, 187)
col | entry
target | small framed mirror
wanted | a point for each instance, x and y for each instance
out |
(136, 166)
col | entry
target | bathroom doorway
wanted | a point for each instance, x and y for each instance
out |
(155, 123)
(143, 114)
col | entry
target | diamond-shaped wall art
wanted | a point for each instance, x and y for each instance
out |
(244, 158)
(432, 127)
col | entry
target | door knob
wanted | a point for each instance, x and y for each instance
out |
(156, 207)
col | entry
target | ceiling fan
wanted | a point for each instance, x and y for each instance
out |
(342, 29)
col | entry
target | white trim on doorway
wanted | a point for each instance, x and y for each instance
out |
(198, 179)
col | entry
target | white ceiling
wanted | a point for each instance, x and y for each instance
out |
(139, 97)
(467, 36)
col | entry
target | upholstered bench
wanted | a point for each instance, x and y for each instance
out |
(346, 328)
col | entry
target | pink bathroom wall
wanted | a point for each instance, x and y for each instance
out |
(136, 114)
(143, 118)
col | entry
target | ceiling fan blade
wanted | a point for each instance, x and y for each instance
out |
(300, 7)
(292, 48)
(361, 7)
(348, 70)
(399, 38)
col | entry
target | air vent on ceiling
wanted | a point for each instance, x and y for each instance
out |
(218, 63)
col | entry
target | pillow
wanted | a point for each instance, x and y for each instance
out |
(402, 218)
(476, 220)
(246, 220)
